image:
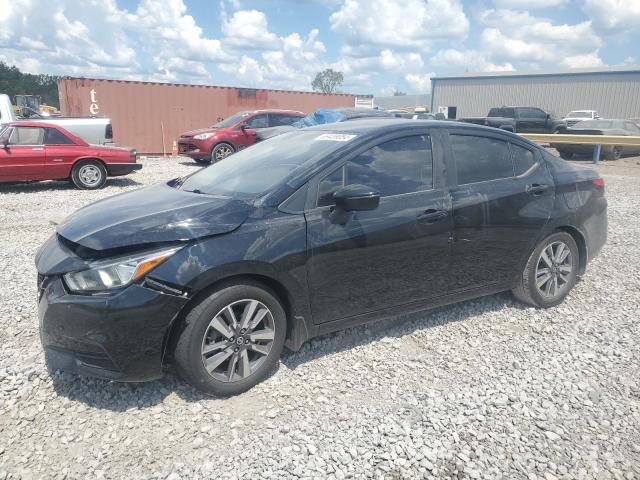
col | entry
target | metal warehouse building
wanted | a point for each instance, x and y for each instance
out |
(613, 91)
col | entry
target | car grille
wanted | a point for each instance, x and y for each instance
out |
(186, 147)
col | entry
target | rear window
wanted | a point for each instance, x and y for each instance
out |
(480, 159)
(502, 112)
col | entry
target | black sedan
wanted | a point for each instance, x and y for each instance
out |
(307, 233)
(601, 127)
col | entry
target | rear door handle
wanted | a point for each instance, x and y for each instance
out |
(432, 216)
(536, 189)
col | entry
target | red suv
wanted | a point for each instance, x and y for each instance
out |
(42, 151)
(232, 134)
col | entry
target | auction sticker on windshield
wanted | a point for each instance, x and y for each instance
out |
(335, 137)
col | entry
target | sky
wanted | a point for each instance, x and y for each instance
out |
(380, 46)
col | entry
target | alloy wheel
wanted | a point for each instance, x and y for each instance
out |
(223, 152)
(554, 269)
(90, 175)
(237, 340)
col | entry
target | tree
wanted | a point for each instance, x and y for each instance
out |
(398, 93)
(327, 81)
(14, 82)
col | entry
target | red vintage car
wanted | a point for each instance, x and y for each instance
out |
(42, 151)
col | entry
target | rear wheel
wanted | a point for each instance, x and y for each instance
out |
(221, 151)
(614, 154)
(550, 273)
(565, 155)
(231, 340)
(89, 175)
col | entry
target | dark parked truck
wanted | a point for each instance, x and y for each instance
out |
(519, 119)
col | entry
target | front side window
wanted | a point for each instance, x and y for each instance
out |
(27, 136)
(55, 137)
(479, 159)
(258, 121)
(328, 185)
(403, 165)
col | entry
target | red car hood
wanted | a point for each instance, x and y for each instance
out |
(193, 133)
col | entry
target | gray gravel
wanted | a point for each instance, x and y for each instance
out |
(484, 389)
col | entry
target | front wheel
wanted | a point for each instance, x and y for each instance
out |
(231, 340)
(221, 151)
(614, 154)
(89, 175)
(550, 272)
(565, 155)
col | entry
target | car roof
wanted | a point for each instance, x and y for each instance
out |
(379, 126)
(274, 110)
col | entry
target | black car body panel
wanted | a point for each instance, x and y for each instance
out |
(416, 250)
(152, 215)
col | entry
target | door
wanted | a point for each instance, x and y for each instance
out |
(61, 152)
(532, 120)
(24, 157)
(501, 203)
(246, 137)
(393, 255)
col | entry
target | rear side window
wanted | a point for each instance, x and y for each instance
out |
(27, 136)
(523, 159)
(403, 165)
(479, 159)
(55, 137)
(279, 119)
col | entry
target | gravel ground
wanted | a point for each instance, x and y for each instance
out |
(484, 389)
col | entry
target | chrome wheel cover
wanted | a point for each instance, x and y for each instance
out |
(237, 340)
(90, 175)
(554, 270)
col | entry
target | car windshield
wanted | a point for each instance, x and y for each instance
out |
(256, 170)
(232, 120)
(579, 115)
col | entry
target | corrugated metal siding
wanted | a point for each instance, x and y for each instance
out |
(138, 110)
(613, 95)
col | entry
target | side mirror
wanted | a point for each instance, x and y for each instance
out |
(356, 198)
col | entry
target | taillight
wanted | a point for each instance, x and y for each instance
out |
(598, 182)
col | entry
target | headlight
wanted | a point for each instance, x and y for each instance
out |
(116, 273)
(203, 136)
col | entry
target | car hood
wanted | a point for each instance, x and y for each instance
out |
(193, 133)
(155, 214)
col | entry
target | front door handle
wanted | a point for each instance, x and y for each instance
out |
(432, 216)
(536, 189)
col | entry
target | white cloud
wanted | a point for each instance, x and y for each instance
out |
(520, 39)
(528, 4)
(404, 24)
(419, 82)
(249, 29)
(613, 16)
(467, 60)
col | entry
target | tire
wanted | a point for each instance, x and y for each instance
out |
(89, 175)
(614, 154)
(565, 155)
(203, 161)
(221, 151)
(528, 290)
(242, 361)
